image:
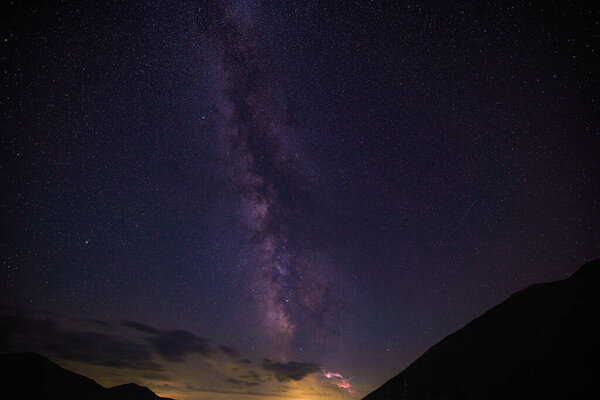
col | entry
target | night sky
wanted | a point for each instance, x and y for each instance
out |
(238, 199)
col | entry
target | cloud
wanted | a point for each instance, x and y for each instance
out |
(132, 348)
(230, 351)
(140, 327)
(239, 382)
(134, 351)
(12, 325)
(155, 376)
(234, 392)
(23, 330)
(292, 370)
(101, 349)
(253, 376)
(28, 333)
(172, 345)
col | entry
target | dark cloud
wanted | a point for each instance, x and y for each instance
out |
(27, 333)
(140, 327)
(254, 376)
(175, 345)
(230, 351)
(235, 392)
(292, 370)
(101, 349)
(239, 382)
(155, 376)
(172, 345)
(99, 323)
(22, 331)
(57, 337)
(12, 325)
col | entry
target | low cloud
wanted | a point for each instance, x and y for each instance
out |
(51, 335)
(173, 345)
(239, 382)
(230, 351)
(139, 347)
(292, 370)
(140, 327)
(253, 376)
(20, 333)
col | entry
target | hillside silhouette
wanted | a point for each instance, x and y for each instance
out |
(541, 343)
(30, 376)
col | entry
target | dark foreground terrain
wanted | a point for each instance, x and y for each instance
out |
(30, 376)
(541, 343)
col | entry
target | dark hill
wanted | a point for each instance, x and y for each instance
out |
(30, 376)
(541, 343)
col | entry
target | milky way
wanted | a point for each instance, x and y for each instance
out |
(290, 279)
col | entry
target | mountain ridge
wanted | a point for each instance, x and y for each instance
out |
(518, 349)
(31, 376)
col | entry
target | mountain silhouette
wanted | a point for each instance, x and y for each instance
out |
(30, 376)
(541, 343)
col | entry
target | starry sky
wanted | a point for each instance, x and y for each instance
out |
(277, 199)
